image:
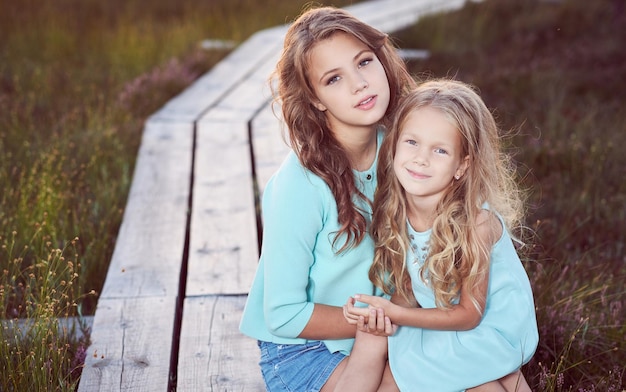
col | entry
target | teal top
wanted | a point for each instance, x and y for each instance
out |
(299, 266)
(452, 361)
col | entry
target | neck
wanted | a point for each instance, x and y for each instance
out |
(421, 214)
(361, 149)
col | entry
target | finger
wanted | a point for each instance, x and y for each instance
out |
(380, 320)
(350, 318)
(389, 330)
(361, 324)
(351, 308)
(373, 318)
(363, 298)
(348, 309)
(357, 311)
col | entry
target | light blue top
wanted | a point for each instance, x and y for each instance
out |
(299, 265)
(447, 361)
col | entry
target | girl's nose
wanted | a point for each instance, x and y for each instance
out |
(420, 158)
(360, 84)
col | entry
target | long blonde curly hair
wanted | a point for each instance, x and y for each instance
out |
(454, 249)
(309, 134)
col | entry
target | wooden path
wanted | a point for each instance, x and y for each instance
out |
(167, 318)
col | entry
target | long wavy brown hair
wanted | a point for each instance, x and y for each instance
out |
(454, 248)
(308, 130)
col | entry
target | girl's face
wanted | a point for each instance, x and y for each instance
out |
(350, 83)
(428, 155)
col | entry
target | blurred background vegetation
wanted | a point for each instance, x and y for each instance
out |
(78, 78)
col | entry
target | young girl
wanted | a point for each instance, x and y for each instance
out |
(445, 202)
(338, 80)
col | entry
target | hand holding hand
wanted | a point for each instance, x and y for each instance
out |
(352, 313)
(375, 302)
(377, 323)
(371, 319)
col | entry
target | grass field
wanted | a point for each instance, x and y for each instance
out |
(79, 77)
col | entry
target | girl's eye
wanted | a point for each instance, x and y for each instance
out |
(412, 142)
(365, 62)
(440, 151)
(332, 80)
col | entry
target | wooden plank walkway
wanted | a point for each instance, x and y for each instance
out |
(167, 318)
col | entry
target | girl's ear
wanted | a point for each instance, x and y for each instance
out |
(462, 167)
(320, 106)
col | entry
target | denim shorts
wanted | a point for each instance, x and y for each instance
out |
(297, 367)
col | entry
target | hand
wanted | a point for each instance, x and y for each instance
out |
(352, 313)
(377, 323)
(370, 319)
(375, 302)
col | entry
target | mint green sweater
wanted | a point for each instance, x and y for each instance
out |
(298, 265)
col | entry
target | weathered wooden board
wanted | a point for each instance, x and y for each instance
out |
(223, 249)
(393, 15)
(149, 248)
(223, 239)
(131, 344)
(209, 89)
(250, 95)
(269, 143)
(214, 355)
(133, 325)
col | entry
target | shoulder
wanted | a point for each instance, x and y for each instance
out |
(489, 227)
(293, 182)
(293, 173)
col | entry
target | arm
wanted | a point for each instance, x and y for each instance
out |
(294, 210)
(327, 322)
(459, 317)
(371, 320)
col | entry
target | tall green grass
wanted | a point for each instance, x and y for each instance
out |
(78, 78)
(555, 75)
(38, 352)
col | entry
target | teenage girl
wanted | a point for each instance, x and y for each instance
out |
(338, 81)
(443, 210)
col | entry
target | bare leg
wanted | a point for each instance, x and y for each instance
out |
(363, 370)
(388, 384)
(493, 386)
(334, 378)
(515, 382)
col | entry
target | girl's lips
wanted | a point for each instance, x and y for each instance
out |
(417, 175)
(367, 103)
